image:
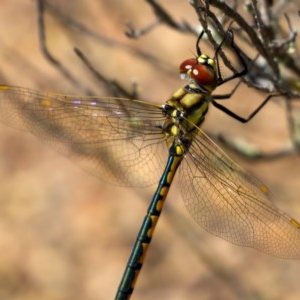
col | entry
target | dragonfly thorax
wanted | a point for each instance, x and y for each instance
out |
(185, 112)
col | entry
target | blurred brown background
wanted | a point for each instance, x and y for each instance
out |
(67, 235)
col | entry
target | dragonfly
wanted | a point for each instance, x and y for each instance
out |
(134, 143)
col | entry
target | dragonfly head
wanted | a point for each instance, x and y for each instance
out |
(201, 71)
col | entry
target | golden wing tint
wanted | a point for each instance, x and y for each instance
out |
(118, 140)
(228, 202)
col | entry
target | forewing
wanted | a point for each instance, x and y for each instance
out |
(118, 140)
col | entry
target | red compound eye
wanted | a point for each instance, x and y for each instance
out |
(187, 65)
(202, 75)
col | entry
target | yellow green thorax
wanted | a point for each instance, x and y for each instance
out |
(188, 111)
(194, 106)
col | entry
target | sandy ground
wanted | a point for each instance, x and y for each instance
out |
(65, 234)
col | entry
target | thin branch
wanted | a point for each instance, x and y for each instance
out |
(44, 49)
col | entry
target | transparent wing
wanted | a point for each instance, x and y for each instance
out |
(118, 140)
(228, 202)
